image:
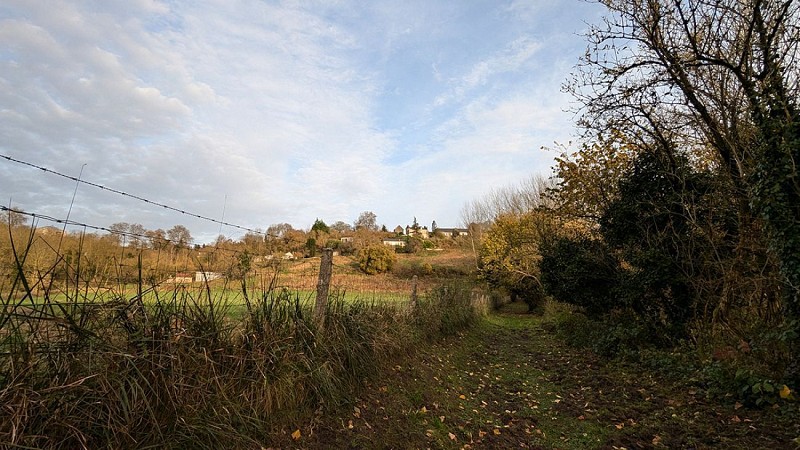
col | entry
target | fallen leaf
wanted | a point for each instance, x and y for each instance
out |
(296, 435)
(620, 425)
(785, 392)
(656, 440)
(350, 424)
(441, 419)
(357, 411)
(462, 397)
(496, 431)
(452, 436)
(423, 410)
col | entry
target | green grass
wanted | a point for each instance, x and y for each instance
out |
(509, 382)
(200, 366)
(231, 299)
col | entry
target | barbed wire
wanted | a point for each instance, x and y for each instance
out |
(304, 280)
(115, 232)
(133, 196)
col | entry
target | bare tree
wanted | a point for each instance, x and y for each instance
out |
(277, 230)
(341, 227)
(157, 239)
(137, 232)
(513, 199)
(13, 217)
(179, 235)
(367, 220)
(119, 232)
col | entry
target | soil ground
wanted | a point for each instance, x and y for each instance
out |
(508, 383)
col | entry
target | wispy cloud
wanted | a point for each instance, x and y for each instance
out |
(275, 111)
(514, 57)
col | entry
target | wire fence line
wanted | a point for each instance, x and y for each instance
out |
(36, 216)
(133, 196)
(345, 278)
(301, 276)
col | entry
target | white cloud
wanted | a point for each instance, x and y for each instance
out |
(280, 106)
(510, 59)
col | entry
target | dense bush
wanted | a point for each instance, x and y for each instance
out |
(618, 335)
(581, 271)
(510, 253)
(653, 222)
(375, 259)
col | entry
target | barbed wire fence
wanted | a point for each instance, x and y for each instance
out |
(300, 276)
(78, 180)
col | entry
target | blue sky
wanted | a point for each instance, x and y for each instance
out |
(281, 111)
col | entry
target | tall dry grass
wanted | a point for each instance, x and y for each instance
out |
(170, 366)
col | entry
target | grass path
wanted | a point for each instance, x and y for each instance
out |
(508, 383)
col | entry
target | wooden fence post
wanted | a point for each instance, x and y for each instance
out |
(414, 292)
(323, 284)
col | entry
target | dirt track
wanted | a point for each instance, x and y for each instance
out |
(508, 383)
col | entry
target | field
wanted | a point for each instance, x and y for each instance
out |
(298, 277)
(90, 359)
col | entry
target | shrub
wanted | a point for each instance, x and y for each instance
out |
(444, 310)
(509, 255)
(617, 335)
(375, 259)
(653, 223)
(580, 271)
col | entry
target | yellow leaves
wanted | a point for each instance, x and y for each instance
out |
(462, 397)
(496, 432)
(785, 392)
(296, 435)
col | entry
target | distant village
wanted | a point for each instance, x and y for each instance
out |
(402, 234)
(172, 250)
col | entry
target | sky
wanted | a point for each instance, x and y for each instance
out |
(263, 112)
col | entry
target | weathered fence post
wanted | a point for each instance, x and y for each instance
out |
(323, 284)
(414, 292)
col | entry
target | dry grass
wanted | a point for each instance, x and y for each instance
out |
(169, 366)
